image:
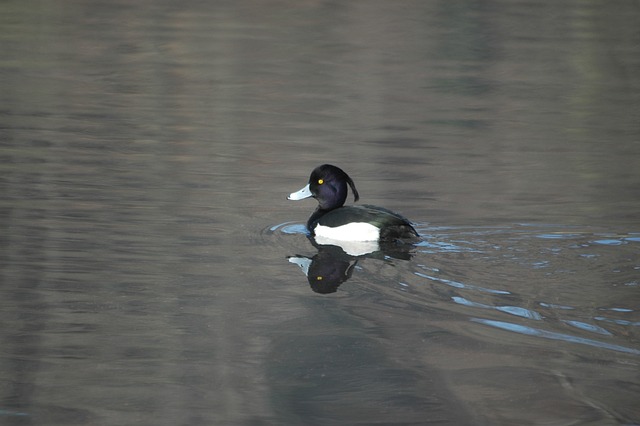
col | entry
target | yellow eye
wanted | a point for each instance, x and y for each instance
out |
(320, 181)
(319, 278)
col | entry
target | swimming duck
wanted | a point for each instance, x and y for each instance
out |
(333, 220)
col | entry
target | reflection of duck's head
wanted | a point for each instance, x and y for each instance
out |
(328, 185)
(325, 271)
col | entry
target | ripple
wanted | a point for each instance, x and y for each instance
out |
(588, 327)
(609, 242)
(617, 309)
(460, 285)
(618, 321)
(512, 310)
(554, 306)
(4, 412)
(530, 331)
(289, 228)
(507, 254)
(444, 247)
(558, 236)
(520, 312)
(290, 236)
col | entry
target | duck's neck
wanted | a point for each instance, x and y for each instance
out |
(315, 217)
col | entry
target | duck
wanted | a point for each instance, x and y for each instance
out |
(335, 221)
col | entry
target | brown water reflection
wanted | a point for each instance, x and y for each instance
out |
(147, 149)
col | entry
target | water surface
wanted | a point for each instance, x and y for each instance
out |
(146, 260)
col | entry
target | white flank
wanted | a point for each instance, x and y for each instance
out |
(356, 231)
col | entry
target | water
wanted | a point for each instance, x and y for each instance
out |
(147, 256)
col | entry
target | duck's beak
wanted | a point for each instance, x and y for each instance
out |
(300, 195)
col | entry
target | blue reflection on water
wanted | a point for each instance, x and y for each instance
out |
(290, 228)
(588, 327)
(520, 312)
(609, 242)
(554, 306)
(530, 331)
(444, 247)
(466, 302)
(460, 285)
(558, 236)
(617, 309)
(618, 321)
(513, 310)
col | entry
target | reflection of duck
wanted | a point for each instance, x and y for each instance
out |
(325, 271)
(332, 220)
(332, 265)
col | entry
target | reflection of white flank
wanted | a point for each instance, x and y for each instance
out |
(352, 248)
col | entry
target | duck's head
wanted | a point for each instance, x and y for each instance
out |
(328, 185)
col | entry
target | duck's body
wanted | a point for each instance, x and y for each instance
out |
(328, 184)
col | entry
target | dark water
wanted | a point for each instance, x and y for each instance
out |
(146, 152)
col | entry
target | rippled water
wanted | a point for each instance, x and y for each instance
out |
(153, 272)
(524, 323)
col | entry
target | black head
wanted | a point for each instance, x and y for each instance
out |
(328, 185)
